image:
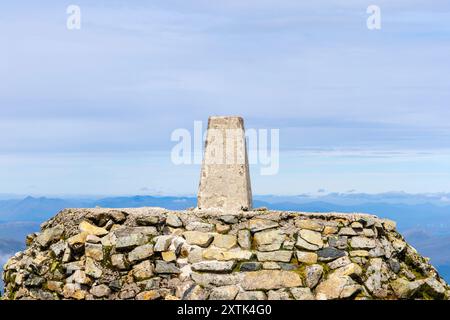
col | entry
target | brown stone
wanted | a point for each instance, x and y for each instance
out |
(306, 257)
(270, 279)
(225, 241)
(91, 229)
(198, 238)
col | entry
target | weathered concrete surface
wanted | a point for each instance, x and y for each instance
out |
(225, 176)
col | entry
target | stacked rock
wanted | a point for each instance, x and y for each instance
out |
(154, 253)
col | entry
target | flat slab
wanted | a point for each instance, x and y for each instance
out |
(215, 213)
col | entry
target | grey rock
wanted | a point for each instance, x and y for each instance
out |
(228, 219)
(281, 256)
(127, 240)
(108, 226)
(280, 294)
(302, 244)
(195, 255)
(389, 225)
(214, 266)
(378, 251)
(147, 220)
(269, 240)
(200, 226)
(80, 277)
(258, 224)
(100, 291)
(129, 291)
(140, 253)
(71, 267)
(55, 286)
(40, 294)
(149, 295)
(313, 275)
(92, 268)
(224, 293)
(329, 254)
(302, 294)
(306, 257)
(339, 242)
(58, 249)
(250, 266)
(146, 231)
(118, 216)
(143, 270)
(433, 288)
(251, 295)
(225, 241)
(404, 289)
(73, 291)
(119, 262)
(34, 281)
(162, 243)
(336, 287)
(356, 225)
(287, 266)
(271, 266)
(244, 239)
(362, 243)
(166, 267)
(153, 283)
(346, 231)
(288, 245)
(196, 292)
(46, 237)
(369, 233)
(91, 238)
(209, 280)
(94, 251)
(173, 221)
(198, 238)
(115, 285)
(270, 279)
(394, 265)
(340, 262)
(350, 290)
(313, 237)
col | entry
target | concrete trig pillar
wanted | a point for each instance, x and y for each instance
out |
(225, 176)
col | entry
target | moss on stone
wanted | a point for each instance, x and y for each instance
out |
(106, 262)
(54, 265)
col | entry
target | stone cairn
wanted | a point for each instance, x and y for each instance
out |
(219, 251)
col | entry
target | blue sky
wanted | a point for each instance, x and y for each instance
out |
(91, 111)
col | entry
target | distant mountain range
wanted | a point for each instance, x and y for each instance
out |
(42, 208)
(423, 219)
(433, 217)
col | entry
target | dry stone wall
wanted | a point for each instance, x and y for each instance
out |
(154, 253)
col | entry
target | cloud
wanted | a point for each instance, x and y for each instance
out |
(135, 72)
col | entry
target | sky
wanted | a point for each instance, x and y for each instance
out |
(91, 111)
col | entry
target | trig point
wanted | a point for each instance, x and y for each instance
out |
(225, 176)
